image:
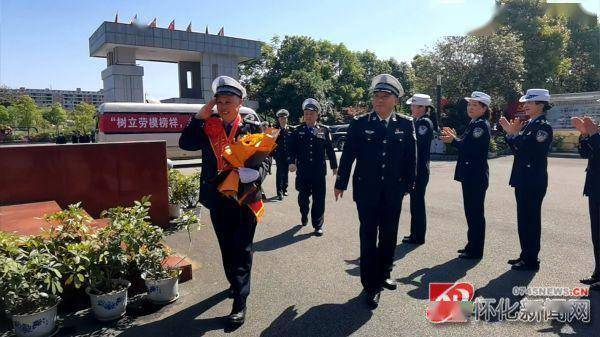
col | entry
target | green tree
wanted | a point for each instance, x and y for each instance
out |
(56, 115)
(28, 114)
(83, 117)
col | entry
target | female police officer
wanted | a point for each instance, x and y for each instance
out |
(234, 224)
(472, 170)
(420, 106)
(589, 147)
(530, 144)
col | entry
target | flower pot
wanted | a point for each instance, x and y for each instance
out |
(110, 306)
(162, 291)
(40, 324)
(174, 211)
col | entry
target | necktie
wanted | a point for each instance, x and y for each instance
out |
(384, 123)
(228, 129)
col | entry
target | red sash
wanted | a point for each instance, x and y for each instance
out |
(218, 138)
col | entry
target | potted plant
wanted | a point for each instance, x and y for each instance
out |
(162, 281)
(109, 263)
(183, 192)
(29, 289)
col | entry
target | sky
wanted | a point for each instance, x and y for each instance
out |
(44, 44)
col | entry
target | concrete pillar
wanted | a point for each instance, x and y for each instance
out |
(123, 79)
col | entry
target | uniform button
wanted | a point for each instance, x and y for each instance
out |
(467, 163)
(528, 165)
(382, 178)
(382, 165)
(383, 154)
(384, 141)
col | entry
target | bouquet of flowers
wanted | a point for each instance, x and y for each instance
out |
(248, 151)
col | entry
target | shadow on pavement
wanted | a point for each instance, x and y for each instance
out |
(577, 328)
(281, 240)
(331, 320)
(450, 271)
(185, 322)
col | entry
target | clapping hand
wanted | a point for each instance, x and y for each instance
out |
(590, 126)
(448, 135)
(513, 127)
(579, 124)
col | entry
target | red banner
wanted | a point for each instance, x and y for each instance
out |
(143, 123)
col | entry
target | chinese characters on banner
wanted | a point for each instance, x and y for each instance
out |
(143, 123)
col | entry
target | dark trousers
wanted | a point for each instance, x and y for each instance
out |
(529, 221)
(595, 220)
(418, 217)
(235, 226)
(378, 236)
(311, 186)
(473, 201)
(281, 176)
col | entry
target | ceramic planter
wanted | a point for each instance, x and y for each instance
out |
(40, 324)
(110, 306)
(174, 211)
(162, 291)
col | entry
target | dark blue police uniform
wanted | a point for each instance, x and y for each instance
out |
(473, 172)
(309, 147)
(529, 177)
(418, 217)
(385, 171)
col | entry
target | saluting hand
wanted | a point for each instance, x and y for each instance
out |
(579, 124)
(590, 126)
(292, 167)
(338, 193)
(206, 110)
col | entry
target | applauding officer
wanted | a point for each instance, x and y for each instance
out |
(309, 144)
(530, 144)
(383, 145)
(472, 170)
(420, 106)
(234, 224)
(589, 147)
(280, 155)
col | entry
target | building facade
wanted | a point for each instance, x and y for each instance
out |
(67, 98)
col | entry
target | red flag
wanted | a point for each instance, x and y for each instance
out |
(134, 19)
(117, 17)
(189, 28)
(221, 31)
(206, 31)
(152, 24)
(172, 25)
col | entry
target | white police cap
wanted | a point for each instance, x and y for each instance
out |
(419, 99)
(228, 85)
(282, 113)
(311, 104)
(540, 95)
(480, 97)
(386, 83)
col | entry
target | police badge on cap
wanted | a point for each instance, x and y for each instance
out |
(311, 104)
(419, 99)
(228, 86)
(479, 96)
(386, 83)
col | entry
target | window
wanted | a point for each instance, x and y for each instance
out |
(189, 79)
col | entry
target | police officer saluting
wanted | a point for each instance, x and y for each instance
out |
(589, 148)
(420, 106)
(281, 155)
(309, 144)
(234, 224)
(530, 144)
(472, 170)
(383, 145)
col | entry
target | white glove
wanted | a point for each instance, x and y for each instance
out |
(248, 175)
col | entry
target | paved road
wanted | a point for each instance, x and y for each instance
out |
(308, 286)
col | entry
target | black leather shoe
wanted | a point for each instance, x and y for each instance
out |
(390, 284)
(285, 194)
(279, 197)
(595, 286)
(412, 241)
(590, 280)
(460, 251)
(514, 261)
(304, 222)
(318, 232)
(373, 300)
(522, 265)
(469, 256)
(237, 317)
